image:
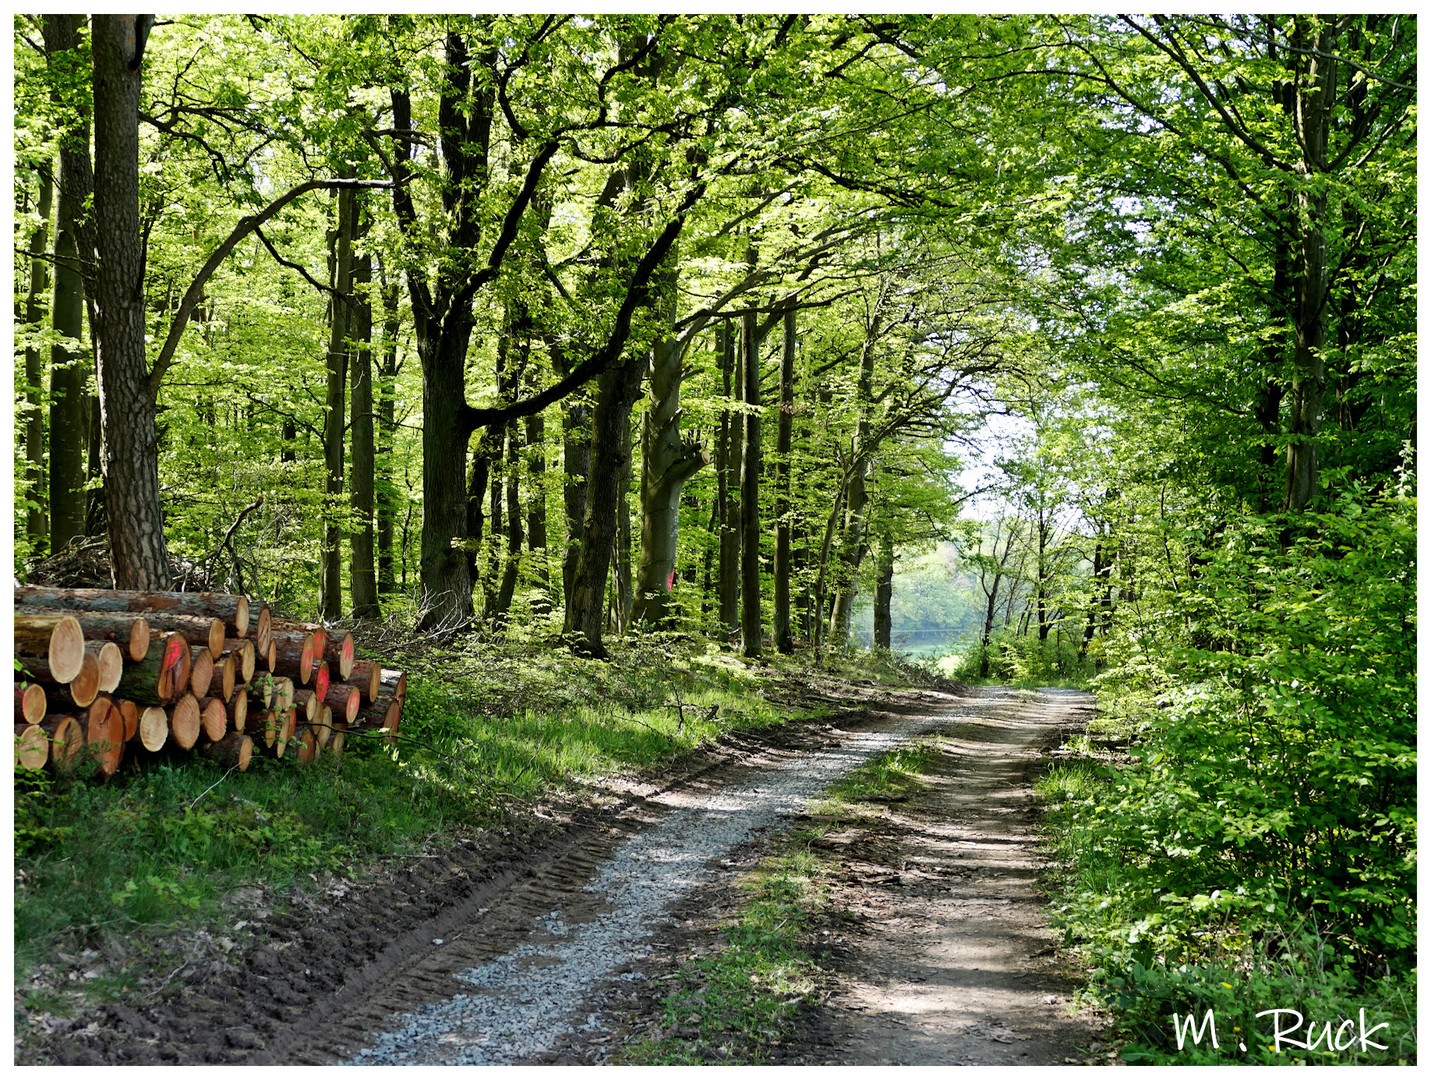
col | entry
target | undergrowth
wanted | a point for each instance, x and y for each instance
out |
(1185, 977)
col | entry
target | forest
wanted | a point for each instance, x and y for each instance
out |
(1027, 348)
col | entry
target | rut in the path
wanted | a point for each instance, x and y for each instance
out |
(520, 1001)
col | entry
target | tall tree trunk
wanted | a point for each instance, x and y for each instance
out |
(732, 439)
(502, 604)
(36, 526)
(783, 441)
(537, 506)
(386, 395)
(750, 628)
(853, 545)
(138, 551)
(622, 593)
(610, 418)
(576, 468)
(330, 586)
(667, 462)
(74, 269)
(364, 572)
(884, 592)
(1316, 96)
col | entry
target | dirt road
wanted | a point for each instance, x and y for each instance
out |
(549, 945)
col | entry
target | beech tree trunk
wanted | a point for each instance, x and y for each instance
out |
(363, 570)
(1316, 97)
(884, 593)
(74, 254)
(784, 432)
(138, 550)
(36, 526)
(732, 444)
(330, 585)
(667, 462)
(750, 629)
(610, 421)
(386, 504)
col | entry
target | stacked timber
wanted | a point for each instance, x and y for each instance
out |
(104, 673)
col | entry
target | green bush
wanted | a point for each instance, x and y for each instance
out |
(1264, 836)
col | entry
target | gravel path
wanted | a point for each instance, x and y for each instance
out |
(519, 1004)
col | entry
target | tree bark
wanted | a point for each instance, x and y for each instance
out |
(74, 262)
(363, 571)
(784, 433)
(667, 462)
(884, 592)
(330, 585)
(386, 392)
(1316, 96)
(732, 444)
(138, 551)
(750, 628)
(36, 525)
(610, 421)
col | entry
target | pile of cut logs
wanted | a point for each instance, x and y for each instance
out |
(101, 674)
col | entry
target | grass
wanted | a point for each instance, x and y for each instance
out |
(118, 869)
(734, 1006)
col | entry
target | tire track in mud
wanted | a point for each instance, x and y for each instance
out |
(529, 960)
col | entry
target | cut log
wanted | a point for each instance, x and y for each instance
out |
(245, 658)
(340, 654)
(283, 689)
(322, 725)
(340, 740)
(286, 722)
(306, 702)
(197, 630)
(130, 632)
(222, 682)
(213, 718)
(66, 735)
(57, 639)
(367, 676)
(394, 684)
(104, 736)
(31, 703)
(153, 729)
(320, 679)
(344, 700)
(162, 676)
(233, 751)
(263, 630)
(201, 671)
(110, 658)
(129, 711)
(386, 712)
(293, 655)
(263, 726)
(232, 609)
(306, 744)
(270, 656)
(32, 746)
(262, 689)
(237, 711)
(184, 722)
(84, 687)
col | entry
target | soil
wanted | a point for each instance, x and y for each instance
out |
(936, 948)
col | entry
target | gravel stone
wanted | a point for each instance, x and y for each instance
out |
(520, 1005)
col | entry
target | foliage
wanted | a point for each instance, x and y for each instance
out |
(1266, 825)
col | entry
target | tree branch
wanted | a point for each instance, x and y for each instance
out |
(245, 226)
